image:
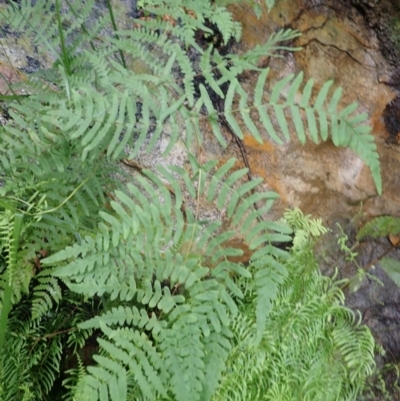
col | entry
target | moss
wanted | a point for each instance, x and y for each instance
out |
(395, 28)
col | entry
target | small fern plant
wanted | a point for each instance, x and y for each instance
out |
(312, 348)
(135, 273)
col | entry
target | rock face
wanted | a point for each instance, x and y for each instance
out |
(383, 16)
(321, 179)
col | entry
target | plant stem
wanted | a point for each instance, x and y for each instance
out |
(8, 287)
(4, 313)
(370, 264)
(64, 51)
(110, 10)
(377, 259)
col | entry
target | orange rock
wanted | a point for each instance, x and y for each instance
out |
(8, 76)
(250, 142)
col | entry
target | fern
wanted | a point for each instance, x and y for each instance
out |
(44, 30)
(305, 227)
(155, 257)
(380, 227)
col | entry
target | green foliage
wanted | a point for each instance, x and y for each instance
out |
(380, 227)
(312, 347)
(135, 274)
(11, 226)
(392, 268)
(162, 282)
(394, 26)
(33, 353)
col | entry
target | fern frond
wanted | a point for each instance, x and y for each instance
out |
(249, 59)
(225, 23)
(28, 20)
(74, 381)
(304, 227)
(184, 12)
(10, 233)
(132, 41)
(380, 227)
(45, 294)
(28, 360)
(269, 275)
(42, 28)
(344, 128)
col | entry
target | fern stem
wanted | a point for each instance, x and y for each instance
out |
(56, 207)
(110, 10)
(8, 286)
(64, 50)
(196, 216)
(4, 313)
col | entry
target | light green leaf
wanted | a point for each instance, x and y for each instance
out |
(392, 269)
(323, 93)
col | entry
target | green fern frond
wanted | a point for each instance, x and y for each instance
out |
(304, 227)
(380, 227)
(10, 233)
(43, 29)
(110, 379)
(181, 10)
(225, 23)
(249, 59)
(74, 381)
(28, 20)
(269, 275)
(239, 204)
(323, 119)
(29, 362)
(45, 294)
